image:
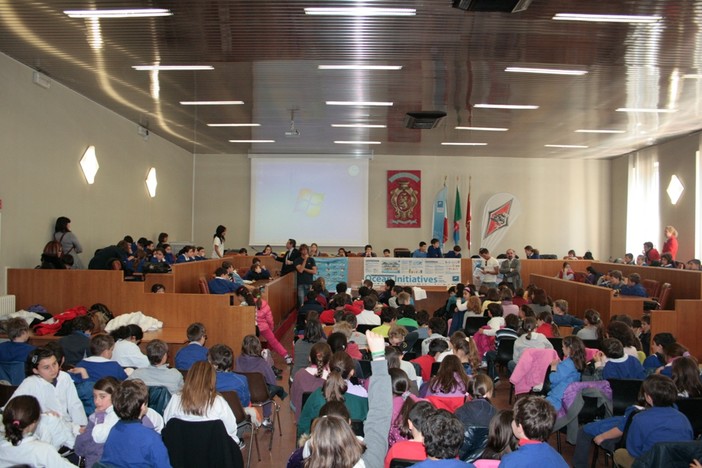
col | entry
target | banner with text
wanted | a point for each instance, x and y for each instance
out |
(333, 270)
(413, 271)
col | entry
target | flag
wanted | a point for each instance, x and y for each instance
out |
(457, 216)
(468, 217)
(440, 222)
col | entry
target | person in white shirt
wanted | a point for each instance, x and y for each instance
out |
(189, 405)
(490, 268)
(63, 414)
(19, 446)
(126, 351)
(368, 316)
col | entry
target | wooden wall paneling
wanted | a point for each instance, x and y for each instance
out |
(242, 263)
(281, 296)
(686, 284)
(580, 296)
(186, 275)
(166, 279)
(689, 325)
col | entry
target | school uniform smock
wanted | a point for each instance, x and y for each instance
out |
(136, 446)
(128, 354)
(31, 452)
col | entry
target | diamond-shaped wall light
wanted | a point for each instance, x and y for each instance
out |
(151, 182)
(89, 164)
(675, 189)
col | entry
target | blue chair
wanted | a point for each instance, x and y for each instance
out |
(12, 371)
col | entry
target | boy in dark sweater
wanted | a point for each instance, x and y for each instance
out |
(99, 364)
(532, 424)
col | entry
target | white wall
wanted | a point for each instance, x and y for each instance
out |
(44, 134)
(565, 203)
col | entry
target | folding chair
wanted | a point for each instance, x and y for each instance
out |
(243, 420)
(260, 398)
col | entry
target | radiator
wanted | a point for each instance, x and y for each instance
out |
(7, 305)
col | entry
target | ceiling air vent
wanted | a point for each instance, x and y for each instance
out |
(423, 120)
(504, 6)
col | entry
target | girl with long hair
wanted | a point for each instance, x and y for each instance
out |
(20, 446)
(501, 440)
(451, 380)
(264, 321)
(686, 376)
(464, 348)
(218, 242)
(479, 410)
(333, 443)
(51, 257)
(593, 326)
(402, 403)
(199, 400)
(546, 326)
(68, 240)
(567, 371)
(341, 369)
(311, 377)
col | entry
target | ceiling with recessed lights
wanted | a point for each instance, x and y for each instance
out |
(270, 77)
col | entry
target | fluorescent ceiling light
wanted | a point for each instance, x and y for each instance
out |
(566, 146)
(483, 129)
(504, 106)
(634, 109)
(583, 130)
(448, 143)
(251, 141)
(361, 11)
(343, 142)
(118, 13)
(359, 67)
(545, 71)
(358, 126)
(233, 125)
(211, 103)
(172, 67)
(607, 18)
(358, 103)
(695, 76)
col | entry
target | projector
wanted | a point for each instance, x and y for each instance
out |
(292, 133)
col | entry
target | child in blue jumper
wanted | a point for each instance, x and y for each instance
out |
(567, 371)
(533, 422)
(615, 364)
(100, 363)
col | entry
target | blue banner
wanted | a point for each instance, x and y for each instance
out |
(440, 223)
(333, 270)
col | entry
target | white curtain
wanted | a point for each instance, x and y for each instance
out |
(643, 215)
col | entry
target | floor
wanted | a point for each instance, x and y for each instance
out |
(284, 446)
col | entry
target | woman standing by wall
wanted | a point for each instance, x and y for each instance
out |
(218, 242)
(69, 241)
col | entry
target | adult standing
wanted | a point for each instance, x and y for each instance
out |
(218, 242)
(306, 269)
(289, 258)
(671, 242)
(511, 270)
(69, 241)
(490, 268)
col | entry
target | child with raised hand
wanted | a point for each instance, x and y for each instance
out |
(130, 444)
(89, 444)
(20, 446)
(63, 416)
(533, 422)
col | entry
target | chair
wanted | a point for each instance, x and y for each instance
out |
(664, 296)
(402, 462)
(652, 287)
(580, 277)
(6, 392)
(505, 351)
(200, 443)
(365, 368)
(363, 328)
(625, 393)
(401, 252)
(435, 368)
(243, 420)
(202, 285)
(609, 454)
(565, 330)
(12, 371)
(670, 454)
(692, 408)
(357, 427)
(260, 398)
(475, 440)
(159, 397)
(557, 346)
(473, 324)
(592, 344)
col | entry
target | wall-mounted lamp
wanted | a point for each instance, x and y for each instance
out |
(89, 164)
(151, 182)
(675, 189)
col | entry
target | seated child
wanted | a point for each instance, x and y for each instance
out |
(656, 359)
(436, 347)
(20, 447)
(195, 350)
(501, 440)
(450, 381)
(90, 443)
(76, 345)
(533, 422)
(567, 371)
(443, 436)
(662, 422)
(412, 449)
(158, 373)
(221, 283)
(221, 357)
(129, 443)
(63, 414)
(671, 352)
(478, 411)
(127, 351)
(17, 349)
(616, 364)
(99, 364)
